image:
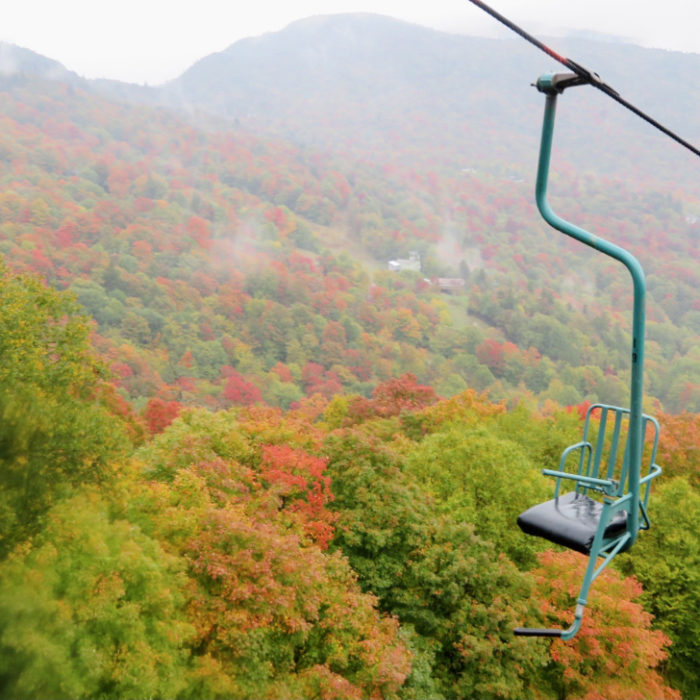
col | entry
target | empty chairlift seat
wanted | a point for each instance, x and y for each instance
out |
(601, 469)
(571, 520)
(596, 517)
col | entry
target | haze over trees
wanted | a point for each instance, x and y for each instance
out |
(241, 458)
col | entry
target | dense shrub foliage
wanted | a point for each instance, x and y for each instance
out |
(347, 548)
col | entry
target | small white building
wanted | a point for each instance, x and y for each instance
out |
(412, 263)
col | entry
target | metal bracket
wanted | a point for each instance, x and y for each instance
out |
(556, 83)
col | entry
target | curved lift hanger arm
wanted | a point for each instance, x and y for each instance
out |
(593, 529)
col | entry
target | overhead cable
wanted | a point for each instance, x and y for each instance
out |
(588, 75)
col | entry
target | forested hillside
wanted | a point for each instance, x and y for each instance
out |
(351, 548)
(242, 458)
(224, 269)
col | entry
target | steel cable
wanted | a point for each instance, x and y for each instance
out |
(587, 75)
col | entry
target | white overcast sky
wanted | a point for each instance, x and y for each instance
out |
(152, 41)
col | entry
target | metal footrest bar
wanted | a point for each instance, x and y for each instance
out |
(536, 632)
(549, 632)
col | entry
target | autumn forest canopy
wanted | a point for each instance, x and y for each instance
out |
(241, 457)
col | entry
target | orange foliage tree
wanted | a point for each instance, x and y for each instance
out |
(391, 398)
(678, 445)
(616, 655)
(275, 615)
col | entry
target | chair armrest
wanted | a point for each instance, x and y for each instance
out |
(607, 486)
(655, 471)
(571, 448)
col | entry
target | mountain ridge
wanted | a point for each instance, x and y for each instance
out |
(16, 59)
(356, 82)
(359, 79)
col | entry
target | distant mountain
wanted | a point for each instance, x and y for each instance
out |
(15, 60)
(377, 88)
(372, 83)
(352, 80)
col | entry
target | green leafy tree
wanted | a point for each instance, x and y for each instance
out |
(459, 595)
(666, 560)
(483, 479)
(55, 430)
(543, 436)
(93, 608)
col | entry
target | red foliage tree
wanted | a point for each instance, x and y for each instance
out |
(392, 398)
(402, 394)
(299, 480)
(678, 445)
(312, 377)
(240, 391)
(490, 353)
(159, 414)
(198, 229)
(283, 372)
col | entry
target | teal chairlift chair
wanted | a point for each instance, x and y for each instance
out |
(610, 471)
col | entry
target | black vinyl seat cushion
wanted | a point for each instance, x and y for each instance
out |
(570, 520)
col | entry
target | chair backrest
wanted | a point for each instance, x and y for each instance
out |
(607, 430)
